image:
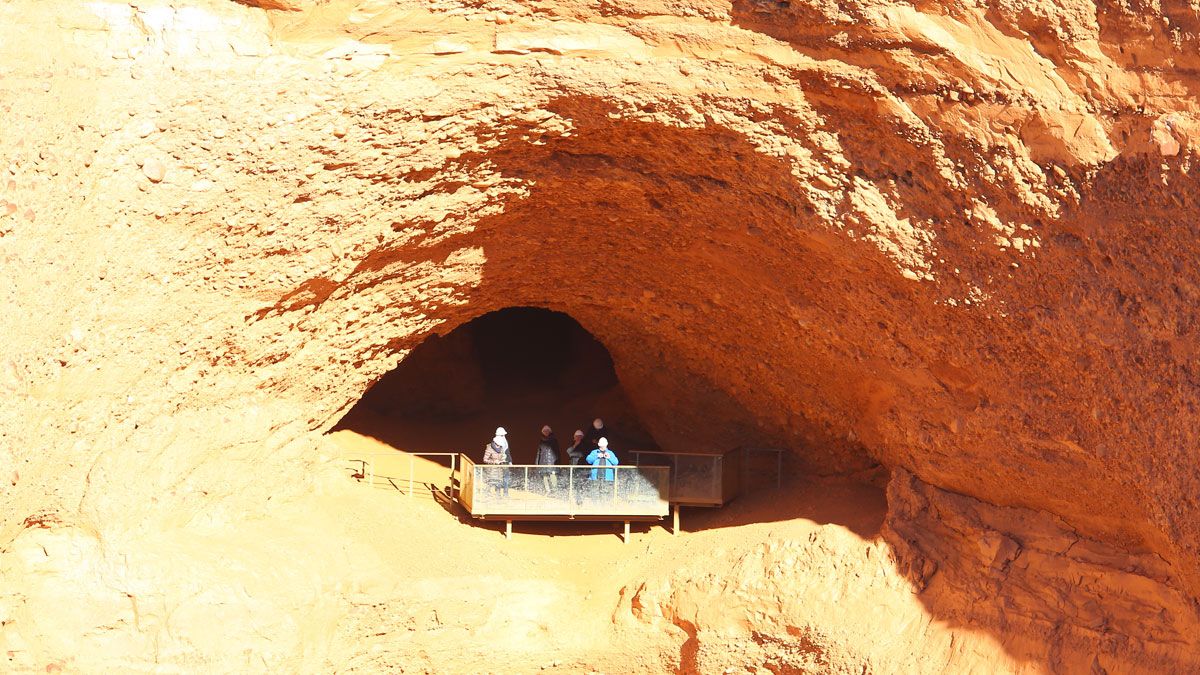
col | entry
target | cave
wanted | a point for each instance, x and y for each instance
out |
(517, 367)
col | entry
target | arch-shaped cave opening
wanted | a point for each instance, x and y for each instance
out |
(518, 367)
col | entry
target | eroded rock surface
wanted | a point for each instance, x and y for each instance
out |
(957, 240)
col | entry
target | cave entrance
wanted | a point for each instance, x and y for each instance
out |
(519, 368)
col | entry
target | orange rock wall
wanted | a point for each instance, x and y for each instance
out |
(957, 240)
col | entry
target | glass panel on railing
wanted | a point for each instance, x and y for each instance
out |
(696, 478)
(570, 490)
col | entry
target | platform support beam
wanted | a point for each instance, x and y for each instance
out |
(508, 529)
(626, 539)
(675, 519)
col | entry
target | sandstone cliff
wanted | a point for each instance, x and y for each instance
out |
(958, 240)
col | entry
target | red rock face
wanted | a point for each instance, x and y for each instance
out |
(958, 243)
(1037, 581)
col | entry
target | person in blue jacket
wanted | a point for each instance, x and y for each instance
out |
(602, 456)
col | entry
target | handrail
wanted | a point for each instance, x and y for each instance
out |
(561, 466)
(684, 454)
(714, 461)
(411, 455)
(779, 452)
(405, 452)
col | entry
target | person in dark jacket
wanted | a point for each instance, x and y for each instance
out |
(551, 441)
(578, 451)
(547, 455)
(577, 454)
(595, 433)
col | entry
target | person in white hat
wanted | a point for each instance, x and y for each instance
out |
(497, 453)
(602, 456)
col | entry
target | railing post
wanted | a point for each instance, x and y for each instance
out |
(527, 479)
(673, 479)
(453, 459)
(616, 477)
(571, 490)
(716, 467)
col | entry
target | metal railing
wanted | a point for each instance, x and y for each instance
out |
(708, 479)
(748, 463)
(371, 464)
(699, 479)
(564, 491)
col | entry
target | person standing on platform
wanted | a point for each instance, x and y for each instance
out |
(496, 453)
(595, 433)
(577, 454)
(602, 478)
(547, 455)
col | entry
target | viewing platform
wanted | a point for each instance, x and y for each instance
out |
(654, 485)
(531, 492)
